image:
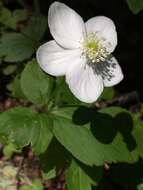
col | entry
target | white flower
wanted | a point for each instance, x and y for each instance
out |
(81, 51)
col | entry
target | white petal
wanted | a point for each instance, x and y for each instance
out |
(66, 26)
(84, 83)
(104, 28)
(55, 60)
(110, 71)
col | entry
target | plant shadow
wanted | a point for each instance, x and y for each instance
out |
(104, 127)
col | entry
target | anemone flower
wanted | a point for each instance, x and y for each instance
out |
(80, 51)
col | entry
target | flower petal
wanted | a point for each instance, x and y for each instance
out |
(110, 71)
(104, 28)
(84, 83)
(55, 60)
(66, 26)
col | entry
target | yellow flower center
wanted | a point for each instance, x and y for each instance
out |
(94, 49)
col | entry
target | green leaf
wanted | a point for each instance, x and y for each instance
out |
(130, 127)
(79, 176)
(63, 95)
(107, 94)
(16, 89)
(55, 157)
(77, 140)
(11, 19)
(36, 27)
(66, 112)
(9, 69)
(16, 47)
(135, 5)
(93, 144)
(140, 186)
(35, 84)
(76, 178)
(9, 150)
(36, 185)
(49, 175)
(23, 127)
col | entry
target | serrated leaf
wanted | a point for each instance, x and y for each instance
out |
(36, 27)
(93, 147)
(16, 47)
(35, 84)
(135, 5)
(22, 127)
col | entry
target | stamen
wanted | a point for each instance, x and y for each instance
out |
(94, 48)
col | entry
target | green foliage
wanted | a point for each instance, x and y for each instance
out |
(9, 69)
(36, 185)
(38, 24)
(54, 158)
(77, 178)
(15, 47)
(130, 127)
(68, 135)
(9, 149)
(140, 187)
(107, 94)
(121, 130)
(16, 88)
(11, 19)
(80, 178)
(135, 5)
(62, 93)
(95, 145)
(23, 127)
(49, 175)
(35, 84)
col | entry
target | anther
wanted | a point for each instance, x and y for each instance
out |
(93, 48)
